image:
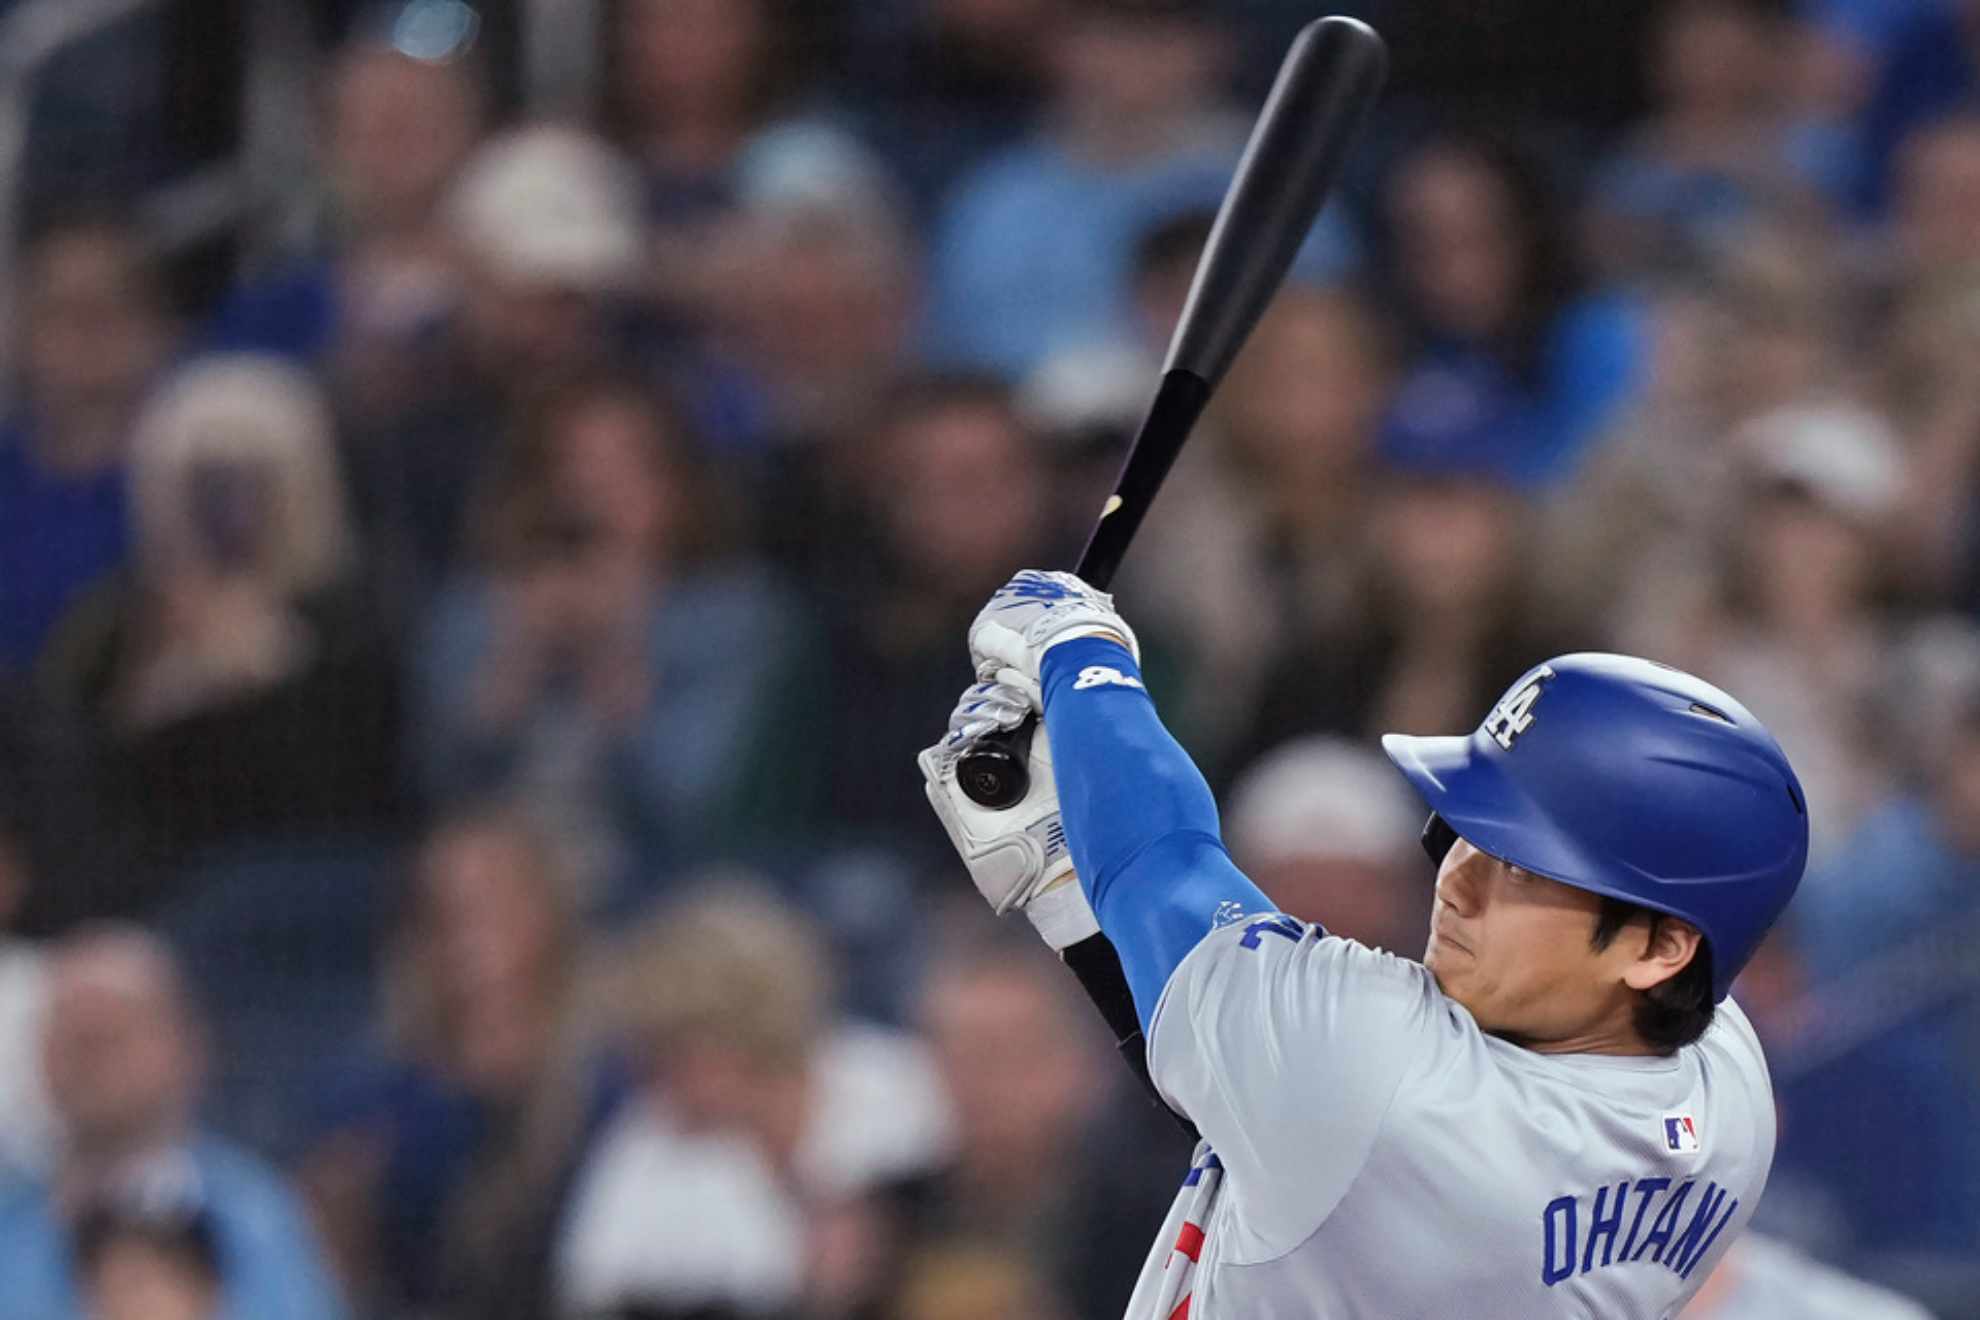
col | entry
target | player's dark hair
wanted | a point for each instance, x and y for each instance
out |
(1675, 1012)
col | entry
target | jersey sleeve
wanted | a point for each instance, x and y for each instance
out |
(1285, 1046)
(1140, 820)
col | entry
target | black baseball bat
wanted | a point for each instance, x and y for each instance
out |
(1325, 88)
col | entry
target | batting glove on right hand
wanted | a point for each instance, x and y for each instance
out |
(1034, 612)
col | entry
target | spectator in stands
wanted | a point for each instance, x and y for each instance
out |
(140, 1262)
(547, 222)
(1799, 624)
(544, 222)
(367, 285)
(693, 81)
(1051, 1164)
(1630, 544)
(707, 99)
(695, 86)
(820, 318)
(1511, 364)
(1933, 533)
(235, 681)
(824, 288)
(93, 331)
(1886, 927)
(768, 1136)
(605, 661)
(1717, 149)
(441, 1167)
(1930, 67)
(1323, 827)
(27, 1131)
(1447, 618)
(1914, 864)
(1932, 231)
(123, 1060)
(941, 85)
(366, 267)
(1780, 309)
(1876, 1168)
(917, 519)
(1934, 330)
(1873, 1169)
(1274, 504)
(1032, 253)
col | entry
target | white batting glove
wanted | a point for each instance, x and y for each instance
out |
(1032, 613)
(1017, 857)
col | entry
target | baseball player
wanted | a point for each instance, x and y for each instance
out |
(1557, 1112)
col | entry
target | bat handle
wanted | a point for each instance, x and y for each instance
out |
(1097, 964)
(996, 771)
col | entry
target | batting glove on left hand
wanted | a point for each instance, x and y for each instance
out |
(1016, 856)
(1034, 612)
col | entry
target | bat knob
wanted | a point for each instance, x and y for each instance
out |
(995, 772)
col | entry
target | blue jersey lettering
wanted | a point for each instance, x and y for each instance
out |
(1285, 927)
(1565, 1252)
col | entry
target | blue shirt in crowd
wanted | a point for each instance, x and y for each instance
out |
(270, 1263)
(1895, 878)
(677, 785)
(1460, 411)
(293, 312)
(58, 534)
(1878, 929)
(1928, 74)
(1035, 254)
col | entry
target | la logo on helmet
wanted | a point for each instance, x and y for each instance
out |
(1514, 713)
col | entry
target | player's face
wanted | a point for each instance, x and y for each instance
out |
(1516, 950)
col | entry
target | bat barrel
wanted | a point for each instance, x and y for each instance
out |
(1326, 86)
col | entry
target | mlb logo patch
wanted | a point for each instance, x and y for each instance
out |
(1680, 1134)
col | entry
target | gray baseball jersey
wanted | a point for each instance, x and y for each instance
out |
(1375, 1156)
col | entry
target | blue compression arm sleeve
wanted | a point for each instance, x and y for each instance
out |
(1140, 821)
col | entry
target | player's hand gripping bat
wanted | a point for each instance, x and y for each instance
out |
(1329, 80)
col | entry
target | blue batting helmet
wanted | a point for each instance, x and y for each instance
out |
(1634, 780)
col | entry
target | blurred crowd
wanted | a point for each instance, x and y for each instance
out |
(467, 619)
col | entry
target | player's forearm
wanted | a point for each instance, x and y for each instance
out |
(1139, 819)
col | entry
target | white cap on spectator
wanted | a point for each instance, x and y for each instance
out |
(1845, 456)
(1321, 798)
(550, 206)
(1102, 386)
(813, 168)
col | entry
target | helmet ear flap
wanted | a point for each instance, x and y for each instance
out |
(1437, 838)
